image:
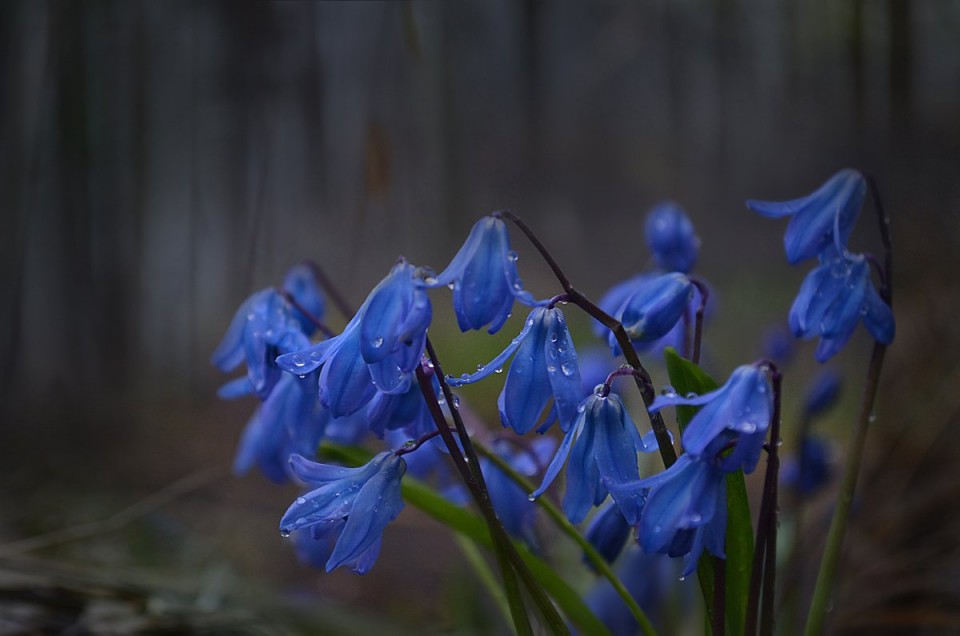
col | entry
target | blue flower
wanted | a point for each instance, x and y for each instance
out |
(378, 348)
(822, 393)
(301, 283)
(671, 238)
(648, 578)
(511, 502)
(739, 412)
(262, 328)
(484, 277)
(354, 505)
(811, 471)
(608, 532)
(407, 411)
(290, 420)
(678, 512)
(812, 227)
(602, 444)
(649, 306)
(833, 298)
(545, 367)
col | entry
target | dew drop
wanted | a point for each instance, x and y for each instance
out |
(465, 376)
(498, 370)
(682, 578)
(451, 285)
(512, 256)
(301, 500)
(668, 391)
(284, 533)
(440, 400)
(518, 284)
(298, 360)
(567, 369)
(302, 376)
(531, 497)
(479, 367)
(551, 368)
(691, 395)
(456, 402)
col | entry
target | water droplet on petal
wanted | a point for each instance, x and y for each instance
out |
(512, 256)
(377, 342)
(479, 367)
(691, 395)
(567, 369)
(284, 533)
(301, 500)
(498, 370)
(668, 391)
(298, 360)
(531, 497)
(551, 368)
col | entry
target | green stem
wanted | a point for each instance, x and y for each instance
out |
(561, 521)
(485, 574)
(838, 527)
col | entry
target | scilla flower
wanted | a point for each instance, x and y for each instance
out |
(513, 506)
(738, 412)
(484, 277)
(671, 238)
(833, 298)
(350, 506)
(602, 444)
(545, 367)
(378, 349)
(608, 532)
(264, 327)
(678, 512)
(649, 305)
(290, 420)
(811, 227)
(301, 283)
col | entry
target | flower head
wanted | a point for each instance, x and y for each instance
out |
(290, 420)
(678, 512)
(484, 277)
(378, 349)
(301, 283)
(544, 367)
(671, 238)
(608, 532)
(262, 328)
(602, 445)
(812, 227)
(833, 298)
(354, 505)
(739, 411)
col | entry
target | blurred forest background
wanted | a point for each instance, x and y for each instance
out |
(160, 161)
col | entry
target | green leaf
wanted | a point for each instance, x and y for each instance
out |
(472, 526)
(687, 377)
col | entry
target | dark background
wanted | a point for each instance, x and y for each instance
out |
(159, 161)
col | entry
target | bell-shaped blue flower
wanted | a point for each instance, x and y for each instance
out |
(291, 420)
(378, 349)
(812, 227)
(739, 411)
(545, 367)
(352, 504)
(648, 305)
(511, 502)
(301, 283)
(678, 512)
(262, 328)
(602, 446)
(608, 532)
(671, 238)
(407, 411)
(484, 277)
(833, 298)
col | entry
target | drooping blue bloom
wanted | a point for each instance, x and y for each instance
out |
(822, 393)
(354, 505)
(812, 226)
(595, 365)
(301, 283)
(608, 532)
(377, 349)
(649, 306)
(511, 502)
(262, 328)
(812, 470)
(671, 238)
(602, 446)
(833, 298)
(291, 420)
(649, 578)
(739, 411)
(678, 512)
(407, 411)
(484, 277)
(545, 367)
